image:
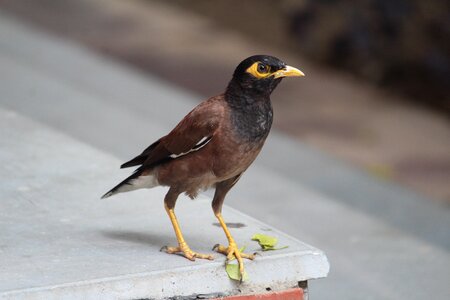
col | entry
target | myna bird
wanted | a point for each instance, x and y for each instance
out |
(212, 147)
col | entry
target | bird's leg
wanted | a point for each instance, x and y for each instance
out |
(183, 247)
(232, 251)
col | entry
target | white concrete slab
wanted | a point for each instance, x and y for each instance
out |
(60, 241)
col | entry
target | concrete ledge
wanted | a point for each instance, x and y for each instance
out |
(59, 240)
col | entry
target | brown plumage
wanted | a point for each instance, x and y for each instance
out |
(212, 146)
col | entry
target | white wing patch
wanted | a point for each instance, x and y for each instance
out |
(202, 143)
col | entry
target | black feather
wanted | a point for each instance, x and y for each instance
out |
(141, 158)
(135, 175)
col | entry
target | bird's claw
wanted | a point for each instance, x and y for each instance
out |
(232, 252)
(186, 252)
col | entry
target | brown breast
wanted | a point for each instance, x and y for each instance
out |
(224, 157)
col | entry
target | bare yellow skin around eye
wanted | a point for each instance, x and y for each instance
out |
(253, 69)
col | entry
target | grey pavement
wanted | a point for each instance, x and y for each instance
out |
(382, 241)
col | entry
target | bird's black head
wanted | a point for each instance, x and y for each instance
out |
(260, 74)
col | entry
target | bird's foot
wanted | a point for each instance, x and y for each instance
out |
(232, 252)
(186, 252)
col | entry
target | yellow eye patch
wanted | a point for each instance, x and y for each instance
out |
(259, 70)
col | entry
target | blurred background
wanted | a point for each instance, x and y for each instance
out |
(377, 88)
(375, 100)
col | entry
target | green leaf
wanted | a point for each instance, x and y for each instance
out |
(273, 248)
(267, 242)
(233, 272)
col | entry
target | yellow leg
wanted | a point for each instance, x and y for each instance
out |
(232, 250)
(182, 245)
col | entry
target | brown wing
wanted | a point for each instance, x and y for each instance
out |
(191, 134)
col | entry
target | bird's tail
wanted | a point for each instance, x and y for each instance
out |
(138, 180)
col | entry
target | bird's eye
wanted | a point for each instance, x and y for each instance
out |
(259, 70)
(262, 68)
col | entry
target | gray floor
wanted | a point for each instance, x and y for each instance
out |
(382, 241)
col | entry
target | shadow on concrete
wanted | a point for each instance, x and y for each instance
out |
(137, 237)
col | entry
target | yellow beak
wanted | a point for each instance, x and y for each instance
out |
(288, 71)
